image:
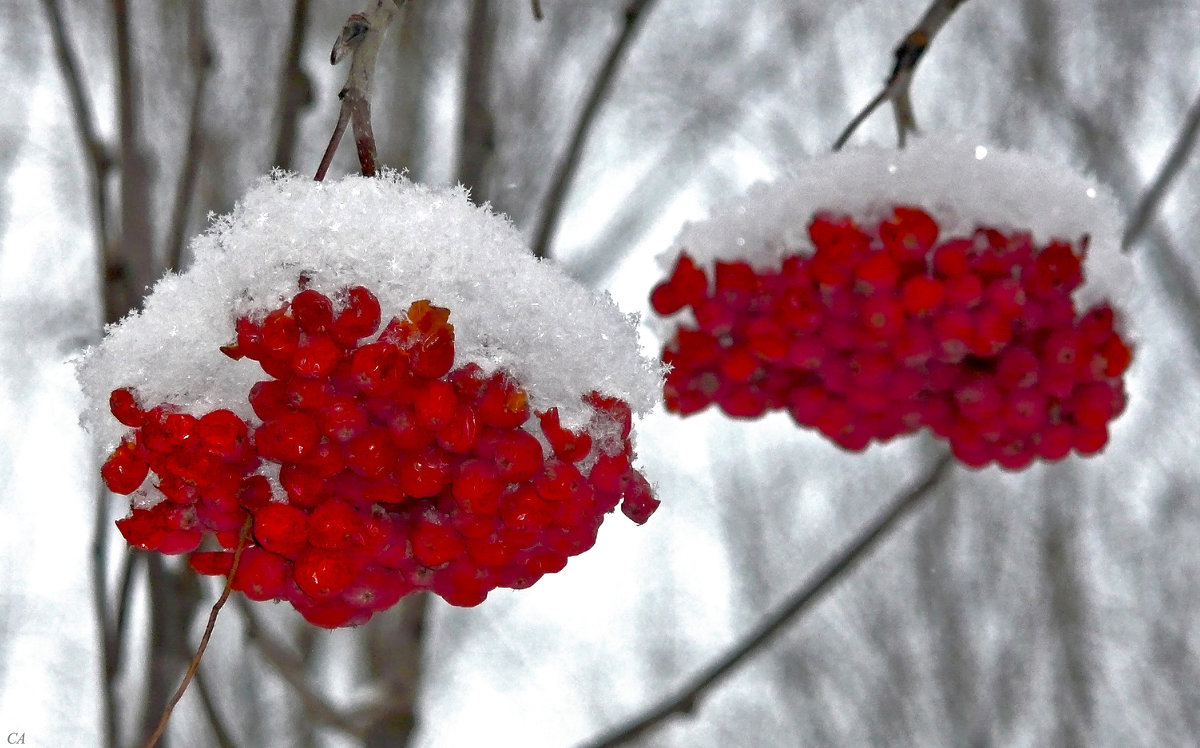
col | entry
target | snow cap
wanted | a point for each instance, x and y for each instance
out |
(404, 242)
(960, 182)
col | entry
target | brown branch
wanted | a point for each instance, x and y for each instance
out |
(296, 91)
(552, 206)
(537, 10)
(897, 90)
(1180, 151)
(208, 629)
(200, 51)
(361, 38)
(291, 669)
(687, 700)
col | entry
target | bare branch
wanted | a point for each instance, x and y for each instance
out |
(109, 636)
(478, 132)
(687, 700)
(361, 38)
(220, 730)
(295, 87)
(897, 90)
(537, 10)
(1180, 151)
(291, 669)
(208, 629)
(552, 206)
(130, 269)
(200, 51)
(98, 159)
(98, 162)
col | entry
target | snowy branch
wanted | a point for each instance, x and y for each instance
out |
(899, 83)
(361, 38)
(200, 51)
(552, 207)
(1150, 201)
(687, 700)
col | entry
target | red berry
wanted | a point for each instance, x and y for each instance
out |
(638, 501)
(359, 317)
(261, 575)
(477, 486)
(335, 526)
(322, 573)
(503, 404)
(123, 472)
(223, 434)
(435, 544)
(125, 408)
(371, 455)
(281, 528)
(423, 474)
(342, 419)
(313, 312)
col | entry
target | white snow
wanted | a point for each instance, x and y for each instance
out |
(403, 241)
(959, 180)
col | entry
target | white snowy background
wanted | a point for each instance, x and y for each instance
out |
(1059, 606)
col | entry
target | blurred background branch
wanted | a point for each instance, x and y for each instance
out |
(687, 700)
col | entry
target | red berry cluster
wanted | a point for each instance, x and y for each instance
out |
(882, 332)
(397, 472)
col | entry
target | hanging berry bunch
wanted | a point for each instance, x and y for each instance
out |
(944, 289)
(454, 448)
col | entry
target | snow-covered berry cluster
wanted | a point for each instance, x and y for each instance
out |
(883, 330)
(401, 472)
(474, 440)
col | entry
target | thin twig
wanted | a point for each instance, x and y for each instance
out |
(1180, 151)
(552, 206)
(295, 88)
(537, 10)
(208, 629)
(200, 50)
(688, 699)
(291, 669)
(897, 89)
(361, 38)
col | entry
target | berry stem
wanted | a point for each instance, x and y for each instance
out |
(360, 38)
(687, 700)
(899, 84)
(243, 538)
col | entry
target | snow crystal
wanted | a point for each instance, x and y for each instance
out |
(403, 241)
(957, 180)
